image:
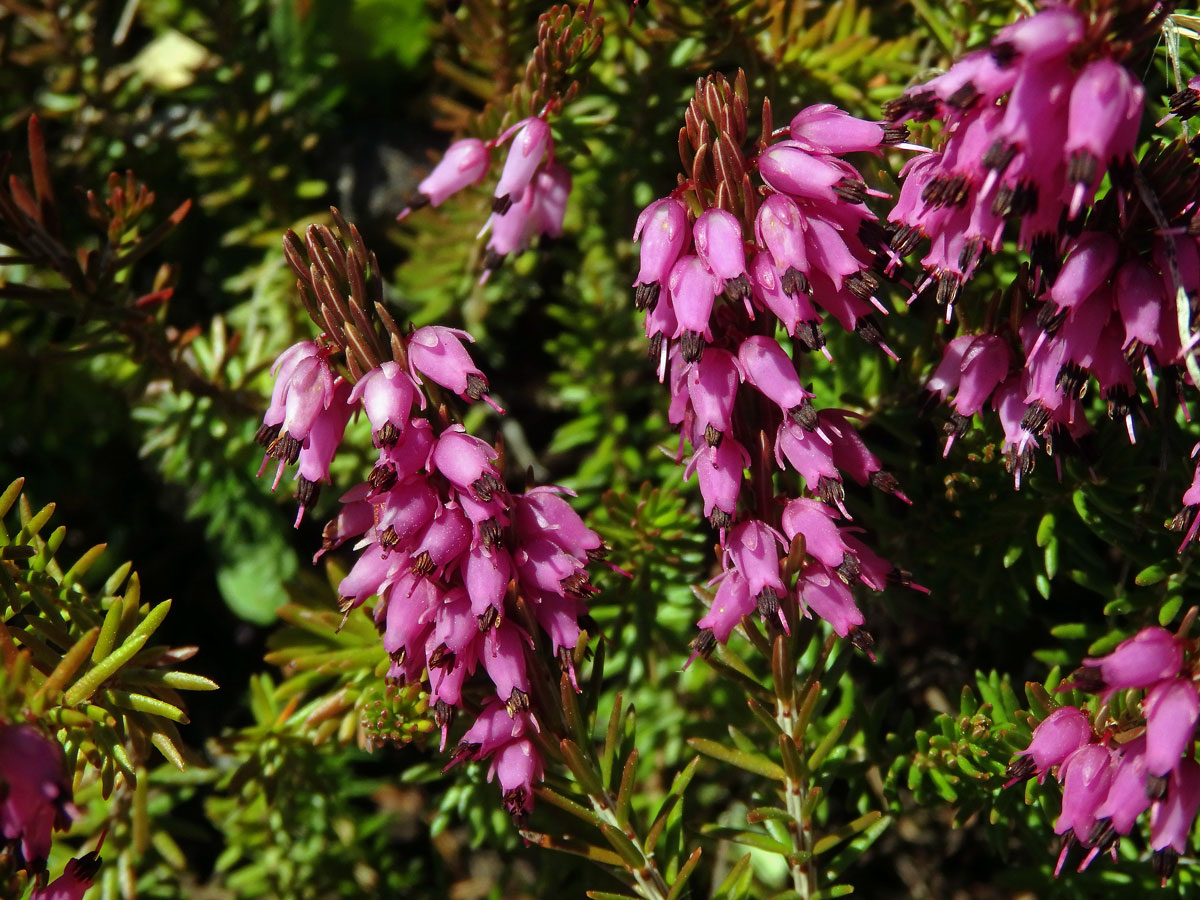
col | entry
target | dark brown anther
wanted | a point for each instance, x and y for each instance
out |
(810, 335)
(862, 285)
(849, 569)
(441, 658)
(894, 134)
(868, 329)
(905, 239)
(267, 434)
(284, 447)
(1004, 54)
(767, 604)
(1156, 786)
(1072, 379)
(1185, 103)
(655, 347)
(1102, 836)
(477, 386)
(719, 518)
(518, 702)
(598, 553)
(1036, 418)
(382, 478)
(492, 260)
(485, 486)
(692, 346)
(737, 288)
(491, 534)
(794, 283)
(804, 414)
(852, 190)
(712, 437)
(501, 205)
(947, 288)
(1020, 769)
(489, 619)
(422, 564)
(998, 156)
(965, 97)
(443, 714)
(704, 642)
(1163, 862)
(307, 492)
(577, 585)
(861, 638)
(645, 296)
(388, 435)
(884, 481)
(831, 491)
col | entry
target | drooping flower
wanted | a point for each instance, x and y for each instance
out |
(465, 163)
(36, 795)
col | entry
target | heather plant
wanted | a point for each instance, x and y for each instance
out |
(637, 394)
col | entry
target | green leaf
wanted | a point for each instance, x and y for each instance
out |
(751, 762)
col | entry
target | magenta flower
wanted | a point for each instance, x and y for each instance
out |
(541, 513)
(1085, 775)
(321, 446)
(1149, 656)
(664, 235)
(530, 144)
(779, 228)
(788, 167)
(719, 471)
(823, 128)
(712, 390)
(467, 462)
(78, 875)
(1102, 125)
(1048, 34)
(829, 597)
(768, 368)
(794, 310)
(465, 163)
(693, 289)
(1172, 708)
(1127, 797)
(437, 353)
(731, 603)
(303, 389)
(1056, 737)
(1172, 818)
(36, 796)
(718, 237)
(551, 191)
(753, 548)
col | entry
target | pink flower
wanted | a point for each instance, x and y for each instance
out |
(823, 128)
(524, 157)
(663, 233)
(719, 471)
(437, 353)
(467, 463)
(1126, 798)
(1171, 709)
(830, 598)
(779, 227)
(1140, 661)
(753, 548)
(78, 875)
(822, 538)
(731, 603)
(1085, 775)
(36, 796)
(1056, 737)
(322, 444)
(718, 237)
(788, 167)
(465, 163)
(1172, 818)
(769, 369)
(1102, 125)
(712, 389)
(693, 290)
(303, 390)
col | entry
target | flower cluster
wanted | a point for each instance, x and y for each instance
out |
(1112, 772)
(530, 197)
(443, 543)
(1032, 124)
(723, 266)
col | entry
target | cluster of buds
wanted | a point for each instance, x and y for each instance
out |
(468, 575)
(725, 265)
(530, 197)
(1112, 771)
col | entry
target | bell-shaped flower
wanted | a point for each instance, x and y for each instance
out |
(518, 767)
(1148, 657)
(1171, 707)
(790, 168)
(1126, 799)
(486, 575)
(718, 237)
(830, 598)
(387, 393)
(1139, 295)
(437, 353)
(779, 227)
(504, 659)
(403, 513)
(467, 462)
(551, 190)
(794, 310)
(1089, 264)
(1086, 775)
(984, 366)
(1048, 34)
(731, 603)
(752, 548)
(1102, 124)
(719, 471)
(1054, 739)
(663, 233)
(828, 252)
(37, 792)
(1172, 818)
(317, 452)
(693, 289)
(443, 541)
(78, 875)
(712, 389)
(823, 128)
(465, 163)
(541, 513)
(822, 538)
(532, 140)
(768, 368)
(372, 572)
